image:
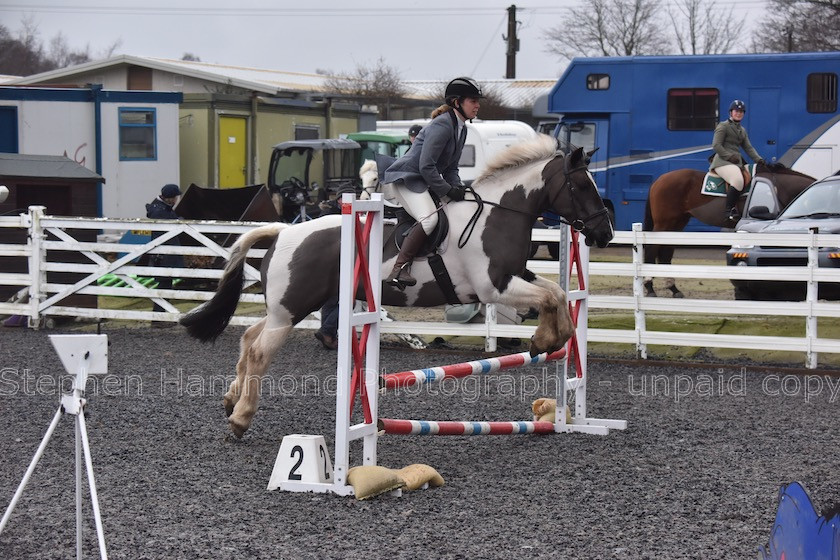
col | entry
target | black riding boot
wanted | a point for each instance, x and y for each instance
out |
(732, 195)
(401, 275)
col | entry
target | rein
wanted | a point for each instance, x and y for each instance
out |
(578, 224)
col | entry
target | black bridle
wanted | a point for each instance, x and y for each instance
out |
(578, 224)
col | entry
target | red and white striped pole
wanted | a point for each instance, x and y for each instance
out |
(464, 369)
(456, 428)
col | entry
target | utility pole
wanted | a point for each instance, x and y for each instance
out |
(512, 43)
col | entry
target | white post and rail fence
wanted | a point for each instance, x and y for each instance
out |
(28, 270)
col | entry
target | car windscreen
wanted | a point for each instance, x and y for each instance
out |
(818, 199)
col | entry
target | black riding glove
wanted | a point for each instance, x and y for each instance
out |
(456, 193)
(760, 161)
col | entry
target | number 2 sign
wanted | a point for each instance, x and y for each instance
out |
(302, 458)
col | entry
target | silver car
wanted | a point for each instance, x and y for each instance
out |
(818, 206)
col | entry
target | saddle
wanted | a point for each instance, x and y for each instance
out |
(714, 185)
(432, 249)
(435, 242)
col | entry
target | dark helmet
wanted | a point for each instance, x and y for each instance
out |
(739, 105)
(414, 130)
(462, 87)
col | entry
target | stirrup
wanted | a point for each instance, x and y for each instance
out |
(398, 280)
(734, 215)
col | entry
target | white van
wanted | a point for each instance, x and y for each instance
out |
(484, 140)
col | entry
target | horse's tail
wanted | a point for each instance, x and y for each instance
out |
(209, 320)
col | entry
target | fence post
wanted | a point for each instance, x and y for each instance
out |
(490, 321)
(37, 257)
(811, 295)
(638, 290)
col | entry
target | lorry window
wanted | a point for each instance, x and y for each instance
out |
(598, 81)
(693, 108)
(822, 93)
(579, 134)
(467, 156)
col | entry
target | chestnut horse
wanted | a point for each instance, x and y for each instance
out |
(486, 262)
(676, 197)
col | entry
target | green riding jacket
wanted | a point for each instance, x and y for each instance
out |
(729, 138)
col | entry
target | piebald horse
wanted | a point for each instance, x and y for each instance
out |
(675, 197)
(301, 269)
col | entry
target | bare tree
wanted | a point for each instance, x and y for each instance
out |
(190, 57)
(62, 56)
(377, 82)
(610, 28)
(701, 27)
(24, 54)
(799, 26)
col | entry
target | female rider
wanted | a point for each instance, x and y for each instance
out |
(432, 164)
(729, 138)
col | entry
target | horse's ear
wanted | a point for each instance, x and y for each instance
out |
(589, 155)
(573, 159)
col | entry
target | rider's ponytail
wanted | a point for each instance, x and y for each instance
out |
(441, 110)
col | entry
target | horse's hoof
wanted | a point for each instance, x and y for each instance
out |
(535, 350)
(238, 430)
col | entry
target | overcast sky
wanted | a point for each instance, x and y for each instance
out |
(423, 40)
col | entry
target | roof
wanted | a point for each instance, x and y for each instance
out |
(512, 93)
(318, 144)
(45, 167)
(389, 136)
(254, 79)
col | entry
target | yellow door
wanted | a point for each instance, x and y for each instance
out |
(233, 152)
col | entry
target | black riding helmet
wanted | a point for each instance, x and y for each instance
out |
(414, 130)
(461, 88)
(739, 105)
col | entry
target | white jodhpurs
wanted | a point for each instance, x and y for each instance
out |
(420, 206)
(731, 173)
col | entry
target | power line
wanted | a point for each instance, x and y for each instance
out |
(306, 12)
(493, 36)
(248, 11)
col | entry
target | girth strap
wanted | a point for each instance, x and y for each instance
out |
(443, 279)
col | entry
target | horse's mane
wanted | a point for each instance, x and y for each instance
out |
(542, 147)
(780, 169)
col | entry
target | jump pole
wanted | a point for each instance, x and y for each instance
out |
(464, 369)
(574, 258)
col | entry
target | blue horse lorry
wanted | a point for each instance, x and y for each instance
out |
(652, 114)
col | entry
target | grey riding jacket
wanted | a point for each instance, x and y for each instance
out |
(432, 161)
